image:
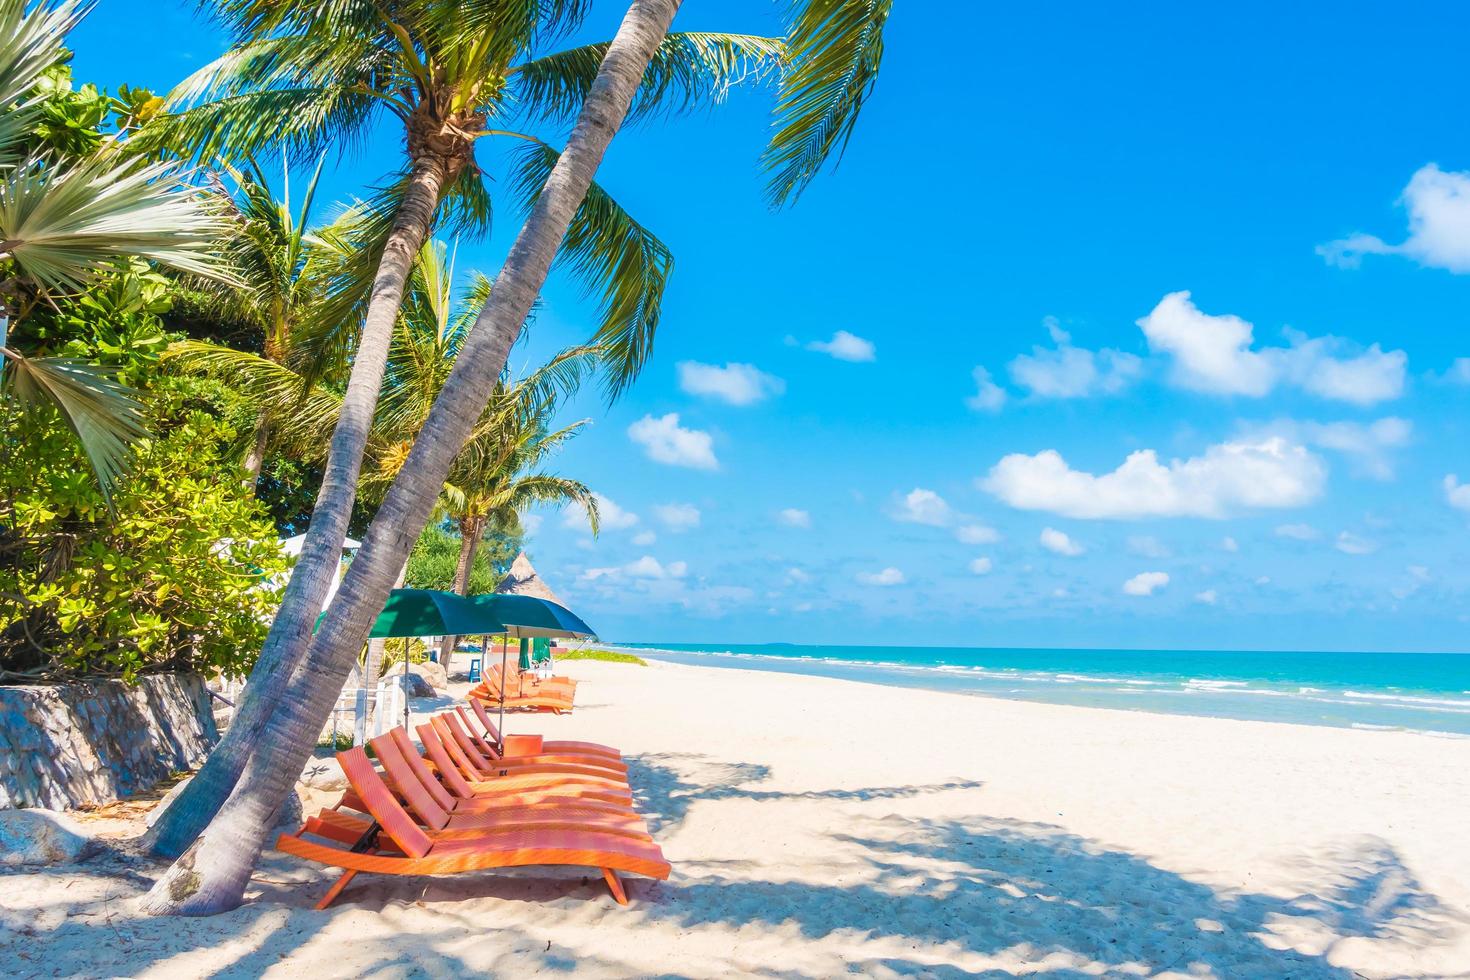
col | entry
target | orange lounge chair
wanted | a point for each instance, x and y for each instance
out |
(476, 765)
(556, 705)
(460, 721)
(448, 756)
(433, 806)
(517, 692)
(419, 854)
(561, 747)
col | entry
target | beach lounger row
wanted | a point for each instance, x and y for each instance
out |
(524, 691)
(474, 801)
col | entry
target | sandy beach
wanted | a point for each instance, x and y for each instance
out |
(820, 827)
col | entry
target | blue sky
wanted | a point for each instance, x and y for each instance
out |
(1264, 462)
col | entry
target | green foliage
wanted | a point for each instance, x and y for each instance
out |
(180, 579)
(608, 656)
(435, 556)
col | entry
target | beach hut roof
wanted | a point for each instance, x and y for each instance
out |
(522, 579)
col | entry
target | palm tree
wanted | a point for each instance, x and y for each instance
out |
(314, 76)
(210, 877)
(62, 222)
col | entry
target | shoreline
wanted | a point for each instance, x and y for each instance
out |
(1347, 706)
(817, 828)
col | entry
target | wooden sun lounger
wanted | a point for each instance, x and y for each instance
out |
(474, 764)
(419, 854)
(459, 719)
(448, 758)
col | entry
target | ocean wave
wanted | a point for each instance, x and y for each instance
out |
(1407, 699)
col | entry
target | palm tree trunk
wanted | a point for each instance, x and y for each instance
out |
(321, 553)
(471, 530)
(255, 459)
(211, 876)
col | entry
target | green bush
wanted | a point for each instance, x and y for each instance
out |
(436, 555)
(180, 579)
(610, 656)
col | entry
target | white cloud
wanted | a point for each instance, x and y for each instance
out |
(531, 523)
(1148, 546)
(1368, 447)
(976, 534)
(1438, 203)
(734, 384)
(1458, 372)
(1269, 473)
(677, 517)
(1073, 372)
(1351, 544)
(794, 517)
(981, 566)
(797, 576)
(845, 347)
(1456, 494)
(920, 506)
(644, 538)
(1298, 532)
(664, 440)
(889, 576)
(1060, 543)
(1418, 578)
(647, 567)
(610, 517)
(1209, 597)
(1146, 583)
(1229, 544)
(1215, 354)
(988, 396)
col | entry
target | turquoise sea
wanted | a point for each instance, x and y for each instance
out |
(1427, 692)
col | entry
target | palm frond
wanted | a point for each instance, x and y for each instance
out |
(31, 41)
(613, 254)
(60, 225)
(104, 415)
(834, 49)
(688, 70)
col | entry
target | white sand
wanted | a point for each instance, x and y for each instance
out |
(819, 827)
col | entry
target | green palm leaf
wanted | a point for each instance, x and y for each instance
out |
(835, 48)
(613, 254)
(103, 414)
(688, 70)
(61, 225)
(30, 42)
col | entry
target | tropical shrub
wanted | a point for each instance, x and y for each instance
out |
(434, 557)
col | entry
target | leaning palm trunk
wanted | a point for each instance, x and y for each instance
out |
(471, 529)
(321, 553)
(211, 876)
(372, 667)
(255, 459)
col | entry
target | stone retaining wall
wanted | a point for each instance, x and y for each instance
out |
(92, 742)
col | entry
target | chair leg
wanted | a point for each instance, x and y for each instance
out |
(615, 886)
(336, 889)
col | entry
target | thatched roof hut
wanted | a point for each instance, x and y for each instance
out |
(522, 579)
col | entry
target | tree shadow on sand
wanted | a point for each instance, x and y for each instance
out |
(992, 897)
(666, 784)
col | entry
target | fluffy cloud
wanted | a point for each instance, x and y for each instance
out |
(1369, 447)
(1229, 544)
(1351, 544)
(1298, 532)
(734, 384)
(976, 534)
(845, 347)
(647, 567)
(1457, 494)
(1268, 473)
(988, 396)
(797, 576)
(889, 576)
(981, 566)
(644, 538)
(920, 506)
(610, 517)
(664, 440)
(1146, 583)
(1215, 354)
(1438, 203)
(677, 517)
(1458, 372)
(1065, 371)
(1209, 597)
(1058, 542)
(794, 517)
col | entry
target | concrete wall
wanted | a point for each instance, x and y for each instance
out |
(92, 742)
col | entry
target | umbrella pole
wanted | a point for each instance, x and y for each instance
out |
(405, 683)
(501, 747)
